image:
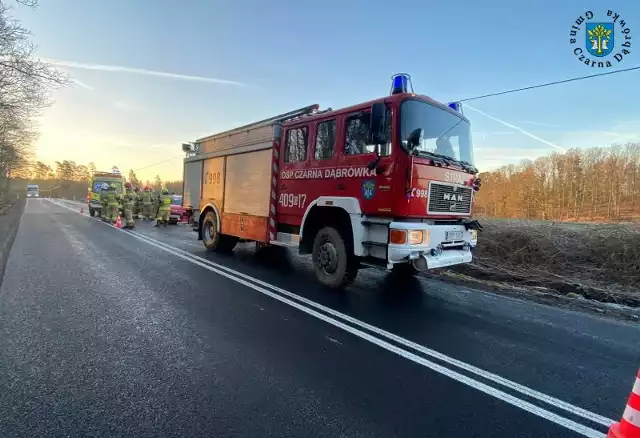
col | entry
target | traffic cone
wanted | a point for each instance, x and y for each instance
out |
(629, 425)
(81, 210)
(119, 222)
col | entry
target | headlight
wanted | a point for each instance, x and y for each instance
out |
(412, 237)
(474, 236)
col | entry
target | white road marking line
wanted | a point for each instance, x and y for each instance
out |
(420, 348)
(489, 390)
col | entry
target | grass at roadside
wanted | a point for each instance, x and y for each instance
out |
(10, 213)
(600, 262)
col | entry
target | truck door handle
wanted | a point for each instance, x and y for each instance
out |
(340, 187)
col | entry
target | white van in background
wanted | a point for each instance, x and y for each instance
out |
(33, 191)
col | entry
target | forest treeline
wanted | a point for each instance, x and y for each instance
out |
(592, 184)
(68, 179)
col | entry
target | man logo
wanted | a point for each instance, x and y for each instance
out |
(601, 47)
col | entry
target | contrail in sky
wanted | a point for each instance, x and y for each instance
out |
(527, 133)
(82, 84)
(139, 71)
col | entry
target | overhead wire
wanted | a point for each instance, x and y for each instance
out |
(159, 162)
(548, 84)
(484, 96)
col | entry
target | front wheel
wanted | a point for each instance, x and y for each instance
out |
(92, 212)
(333, 263)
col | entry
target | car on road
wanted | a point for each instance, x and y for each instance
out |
(33, 191)
(177, 213)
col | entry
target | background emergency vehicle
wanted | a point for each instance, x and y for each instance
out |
(97, 179)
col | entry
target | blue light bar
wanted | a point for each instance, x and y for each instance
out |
(400, 83)
(456, 106)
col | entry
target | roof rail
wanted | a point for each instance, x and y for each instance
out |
(311, 114)
(276, 119)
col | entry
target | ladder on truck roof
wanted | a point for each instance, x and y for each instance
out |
(271, 120)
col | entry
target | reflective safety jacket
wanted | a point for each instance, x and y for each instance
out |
(112, 198)
(146, 198)
(165, 201)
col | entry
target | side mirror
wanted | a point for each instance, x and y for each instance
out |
(378, 124)
(415, 138)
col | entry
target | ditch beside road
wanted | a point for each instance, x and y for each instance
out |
(10, 214)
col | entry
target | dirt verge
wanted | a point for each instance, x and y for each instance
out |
(10, 214)
(585, 263)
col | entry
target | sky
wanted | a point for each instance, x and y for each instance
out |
(152, 74)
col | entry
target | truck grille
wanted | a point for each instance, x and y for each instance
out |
(447, 198)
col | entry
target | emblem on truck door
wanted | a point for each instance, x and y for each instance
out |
(368, 189)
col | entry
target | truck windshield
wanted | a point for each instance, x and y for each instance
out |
(32, 189)
(442, 132)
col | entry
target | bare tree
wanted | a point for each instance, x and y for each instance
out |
(25, 86)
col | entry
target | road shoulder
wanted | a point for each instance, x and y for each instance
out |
(9, 221)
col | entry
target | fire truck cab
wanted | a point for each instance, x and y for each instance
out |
(388, 183)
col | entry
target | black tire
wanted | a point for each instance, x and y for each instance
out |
(212, 239)
(404, 269)
(92, 212)
(333, 261)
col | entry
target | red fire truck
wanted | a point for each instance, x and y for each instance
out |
(387, 183)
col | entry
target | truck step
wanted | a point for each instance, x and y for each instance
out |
(286, 239)
(380, 244)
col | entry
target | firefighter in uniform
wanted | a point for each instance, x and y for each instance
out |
(156, 202)
(113, 204)
(164, 202)
(128, 203)
(136, 203)
(104, 213)
(147, 204)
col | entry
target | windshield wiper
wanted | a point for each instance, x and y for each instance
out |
(466, 166)
(470, 166)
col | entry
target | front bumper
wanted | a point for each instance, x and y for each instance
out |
(435, 252)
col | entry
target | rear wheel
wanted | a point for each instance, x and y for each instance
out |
(212, 239)
(334, 264)
(92, 212)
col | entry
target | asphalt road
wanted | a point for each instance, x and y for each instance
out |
(113, 333)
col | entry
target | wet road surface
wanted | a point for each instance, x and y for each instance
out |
(112, 333)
